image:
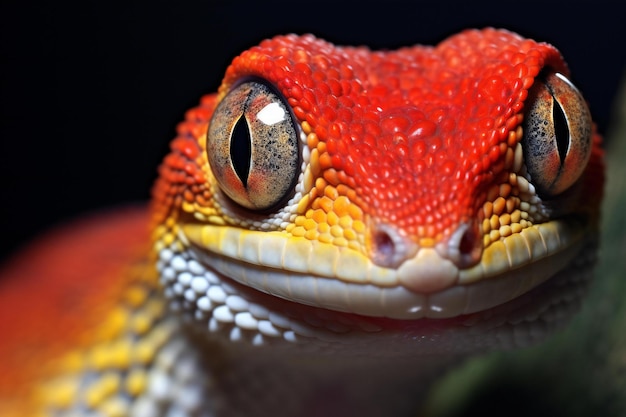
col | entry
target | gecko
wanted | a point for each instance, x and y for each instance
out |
(331, 229)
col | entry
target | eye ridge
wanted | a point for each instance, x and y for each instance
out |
(241, 150)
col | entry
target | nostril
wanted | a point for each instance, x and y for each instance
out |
(388, 247)
(468, 241)
(465, 246)
(383, 243)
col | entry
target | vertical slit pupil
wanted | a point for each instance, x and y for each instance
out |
(241, 150)
(561, 130)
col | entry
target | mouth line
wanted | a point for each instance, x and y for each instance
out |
(393, 302)
(339, 279)
(240, 312)
(245, 301)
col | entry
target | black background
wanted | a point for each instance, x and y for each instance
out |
(91, 92)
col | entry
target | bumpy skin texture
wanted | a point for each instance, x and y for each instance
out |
(409, 170)
(384, 127)
(404, 150)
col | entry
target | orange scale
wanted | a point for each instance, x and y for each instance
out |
(344, 176)
(341, 206)
(328, 190)
(318, 215)
(299, 221)
(332, 218)
(309, 224)
(325, 161)
(321, 147)
(323, 228)
(505, 190)
(188, 196)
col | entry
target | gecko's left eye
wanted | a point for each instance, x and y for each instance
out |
(557, 133)
(253, 146)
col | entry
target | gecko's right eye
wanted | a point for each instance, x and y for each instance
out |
(253, 146)
(557, 133)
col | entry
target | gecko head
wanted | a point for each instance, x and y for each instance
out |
(429, 182)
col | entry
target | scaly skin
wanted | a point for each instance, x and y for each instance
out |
(381, 207)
